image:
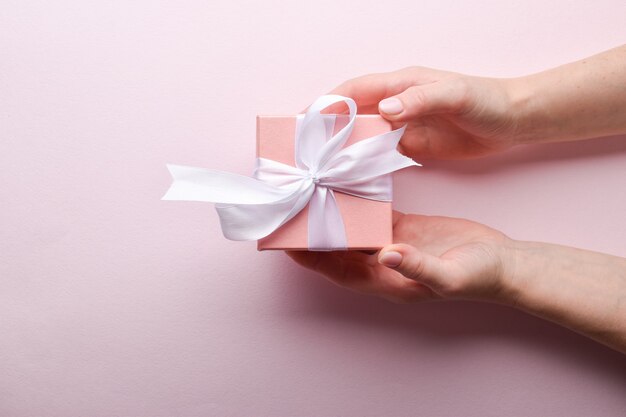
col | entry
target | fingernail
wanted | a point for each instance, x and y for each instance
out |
(390, 106)
(390, 259)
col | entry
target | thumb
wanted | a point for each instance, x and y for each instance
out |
(421, 100)
(410, 262)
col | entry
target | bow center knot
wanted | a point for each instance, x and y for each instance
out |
(313, 177)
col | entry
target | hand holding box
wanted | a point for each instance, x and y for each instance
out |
(336, 173)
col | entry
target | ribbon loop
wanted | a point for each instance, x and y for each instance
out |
(252, 208)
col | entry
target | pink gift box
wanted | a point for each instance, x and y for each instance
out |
(368, 223)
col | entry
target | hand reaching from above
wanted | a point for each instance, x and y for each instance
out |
(448, 115)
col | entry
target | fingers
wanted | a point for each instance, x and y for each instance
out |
(304, 258)
(337, 108)
(414, 264)
(402, 94)
(447, 96)
(366, 91)
(370, 89)
(362, 273)
(351, 269)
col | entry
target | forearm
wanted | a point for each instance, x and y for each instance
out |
(579, 100)
(582, 290)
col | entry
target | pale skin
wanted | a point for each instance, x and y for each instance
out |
(452, 116)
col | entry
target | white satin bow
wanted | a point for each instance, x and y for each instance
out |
(252, 208)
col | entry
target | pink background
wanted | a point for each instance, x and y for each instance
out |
(114, 303)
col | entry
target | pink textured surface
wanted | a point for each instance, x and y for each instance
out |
(114, 303)
(275, 141)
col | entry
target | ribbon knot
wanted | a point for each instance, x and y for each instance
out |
(252, 208)
(314, 178)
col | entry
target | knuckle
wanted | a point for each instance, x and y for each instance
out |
(367, 78)
(415, 269)
(346, 86)
(461, 92)
(411, 69)
(354, 83)
(416, 96)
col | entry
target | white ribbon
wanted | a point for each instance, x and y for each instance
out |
(252, 208)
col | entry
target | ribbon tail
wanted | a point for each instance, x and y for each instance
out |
(249, 209)
(200, 184)
(326, 231)
(256, 221)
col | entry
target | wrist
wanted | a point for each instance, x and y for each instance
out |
(520, 261)
(525, 108)
(578, 289)
(507, 280)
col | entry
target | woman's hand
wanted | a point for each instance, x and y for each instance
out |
(441, 257)
(432, 258)
(448, 115)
